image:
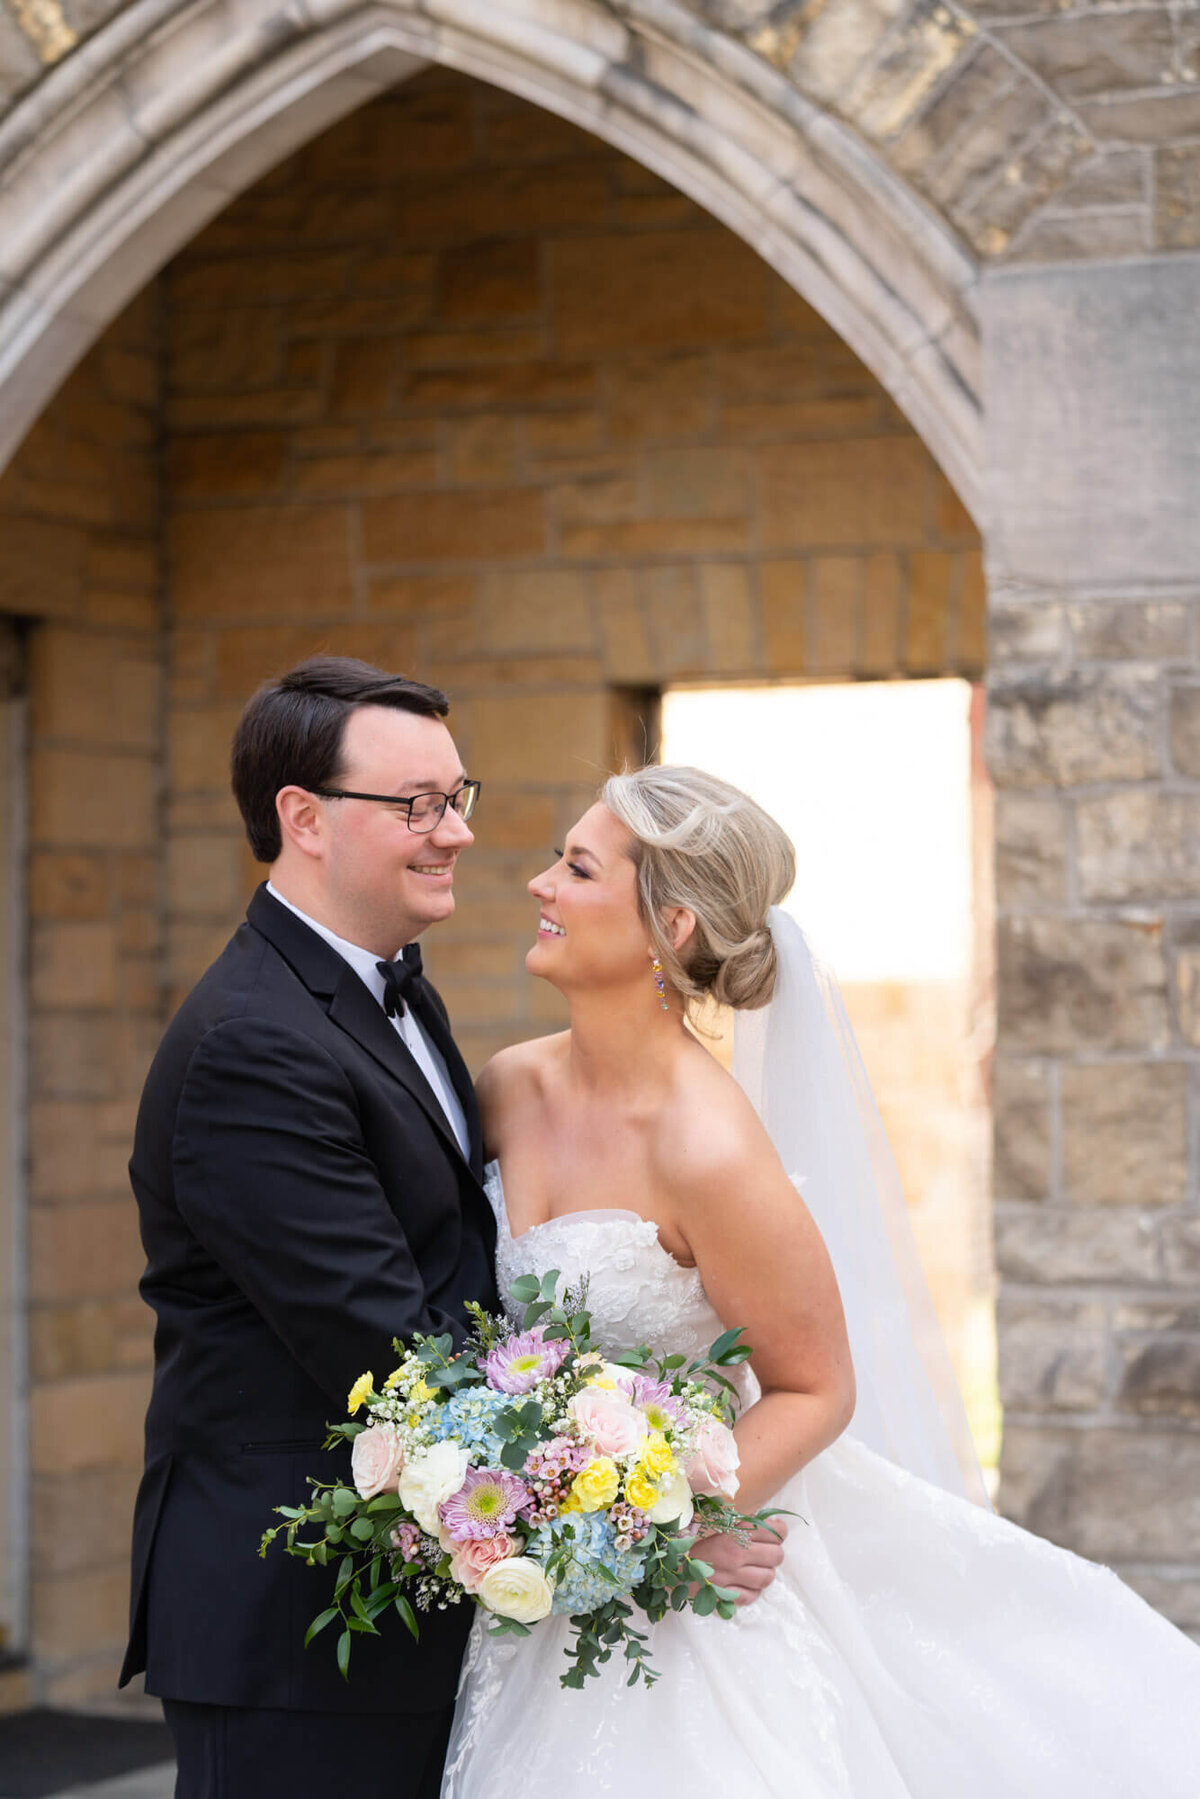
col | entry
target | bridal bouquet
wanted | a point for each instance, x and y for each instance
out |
(530, 1476)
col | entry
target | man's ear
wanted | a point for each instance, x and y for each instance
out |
(678, 922)
(302, 821)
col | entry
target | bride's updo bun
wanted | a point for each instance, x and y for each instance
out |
(704, 845)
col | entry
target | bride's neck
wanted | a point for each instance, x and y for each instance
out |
(621, 1045)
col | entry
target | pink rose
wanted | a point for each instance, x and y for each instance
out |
(376, 1460)
(472, 1558)
(610, 1423)
(712, 1467)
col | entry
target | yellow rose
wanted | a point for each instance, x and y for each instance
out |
(640, 1490)
(569, 1504)
(360, 1391)
(596, 1486)
(657, 1455)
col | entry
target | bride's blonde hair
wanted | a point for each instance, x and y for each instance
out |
(702, 844)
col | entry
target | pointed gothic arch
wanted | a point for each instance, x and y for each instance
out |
(127, 149)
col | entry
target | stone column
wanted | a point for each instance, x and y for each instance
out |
(1092, 397)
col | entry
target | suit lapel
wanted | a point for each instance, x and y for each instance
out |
(328, 976)
(357, 1013)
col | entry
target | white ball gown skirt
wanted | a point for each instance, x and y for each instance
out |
(913, 1646)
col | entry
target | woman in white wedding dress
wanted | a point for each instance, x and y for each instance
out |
(913, 1645)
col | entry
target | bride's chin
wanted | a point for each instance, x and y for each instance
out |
(535, 957)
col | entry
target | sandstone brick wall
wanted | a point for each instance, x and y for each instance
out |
(1095, 749)
(79, 559)
(462, 390)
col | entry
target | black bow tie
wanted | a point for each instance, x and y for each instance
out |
(399, 979)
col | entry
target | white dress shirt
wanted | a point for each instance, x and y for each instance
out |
(427, 1057)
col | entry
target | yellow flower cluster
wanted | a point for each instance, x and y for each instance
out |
(642, 1483)
(416, 1389)
(594, 1487)
(360, 1392)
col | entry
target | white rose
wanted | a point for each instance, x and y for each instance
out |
(517, 1588)
(674, 1502)
(430, 1476)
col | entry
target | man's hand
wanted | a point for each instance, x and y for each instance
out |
(746, 1568)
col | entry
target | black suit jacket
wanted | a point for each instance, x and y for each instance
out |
(303, 1200)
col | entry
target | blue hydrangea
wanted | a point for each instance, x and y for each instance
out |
(580, 1587)
(470, 1417)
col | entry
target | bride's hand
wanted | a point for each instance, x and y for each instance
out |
(747, 1568)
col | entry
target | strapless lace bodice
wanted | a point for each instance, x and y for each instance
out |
(637, 1292)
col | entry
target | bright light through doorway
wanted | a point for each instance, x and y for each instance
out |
(878, 788)
(872, 784)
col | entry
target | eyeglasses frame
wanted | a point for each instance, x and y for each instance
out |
(389, 799)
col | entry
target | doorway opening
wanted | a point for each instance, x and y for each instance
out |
(881, 787)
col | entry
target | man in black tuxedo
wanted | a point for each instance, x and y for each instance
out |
(307, 1166)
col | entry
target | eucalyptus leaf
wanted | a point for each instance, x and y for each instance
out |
(319, 1622)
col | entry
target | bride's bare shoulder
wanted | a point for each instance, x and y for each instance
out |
(513, 1079)
(711, 1132)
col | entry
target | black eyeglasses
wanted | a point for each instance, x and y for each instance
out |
(425, 810)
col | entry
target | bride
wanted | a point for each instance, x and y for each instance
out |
(913, 1645)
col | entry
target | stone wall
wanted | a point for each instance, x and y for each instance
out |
(79, 529)
(1095, 752)
(1038, 132)
(462, 390)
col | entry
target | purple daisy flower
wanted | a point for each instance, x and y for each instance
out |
(517, 1365)
(656, 1402)
(486, 1504)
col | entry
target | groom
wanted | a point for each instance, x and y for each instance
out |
(307, 1166)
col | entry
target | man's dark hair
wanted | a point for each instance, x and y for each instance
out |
(290, 734)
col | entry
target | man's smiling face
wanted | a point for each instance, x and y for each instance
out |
(393, 882)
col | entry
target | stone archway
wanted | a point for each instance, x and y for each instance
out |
(130, 146)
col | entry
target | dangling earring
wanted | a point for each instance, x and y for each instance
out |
(660, 985)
